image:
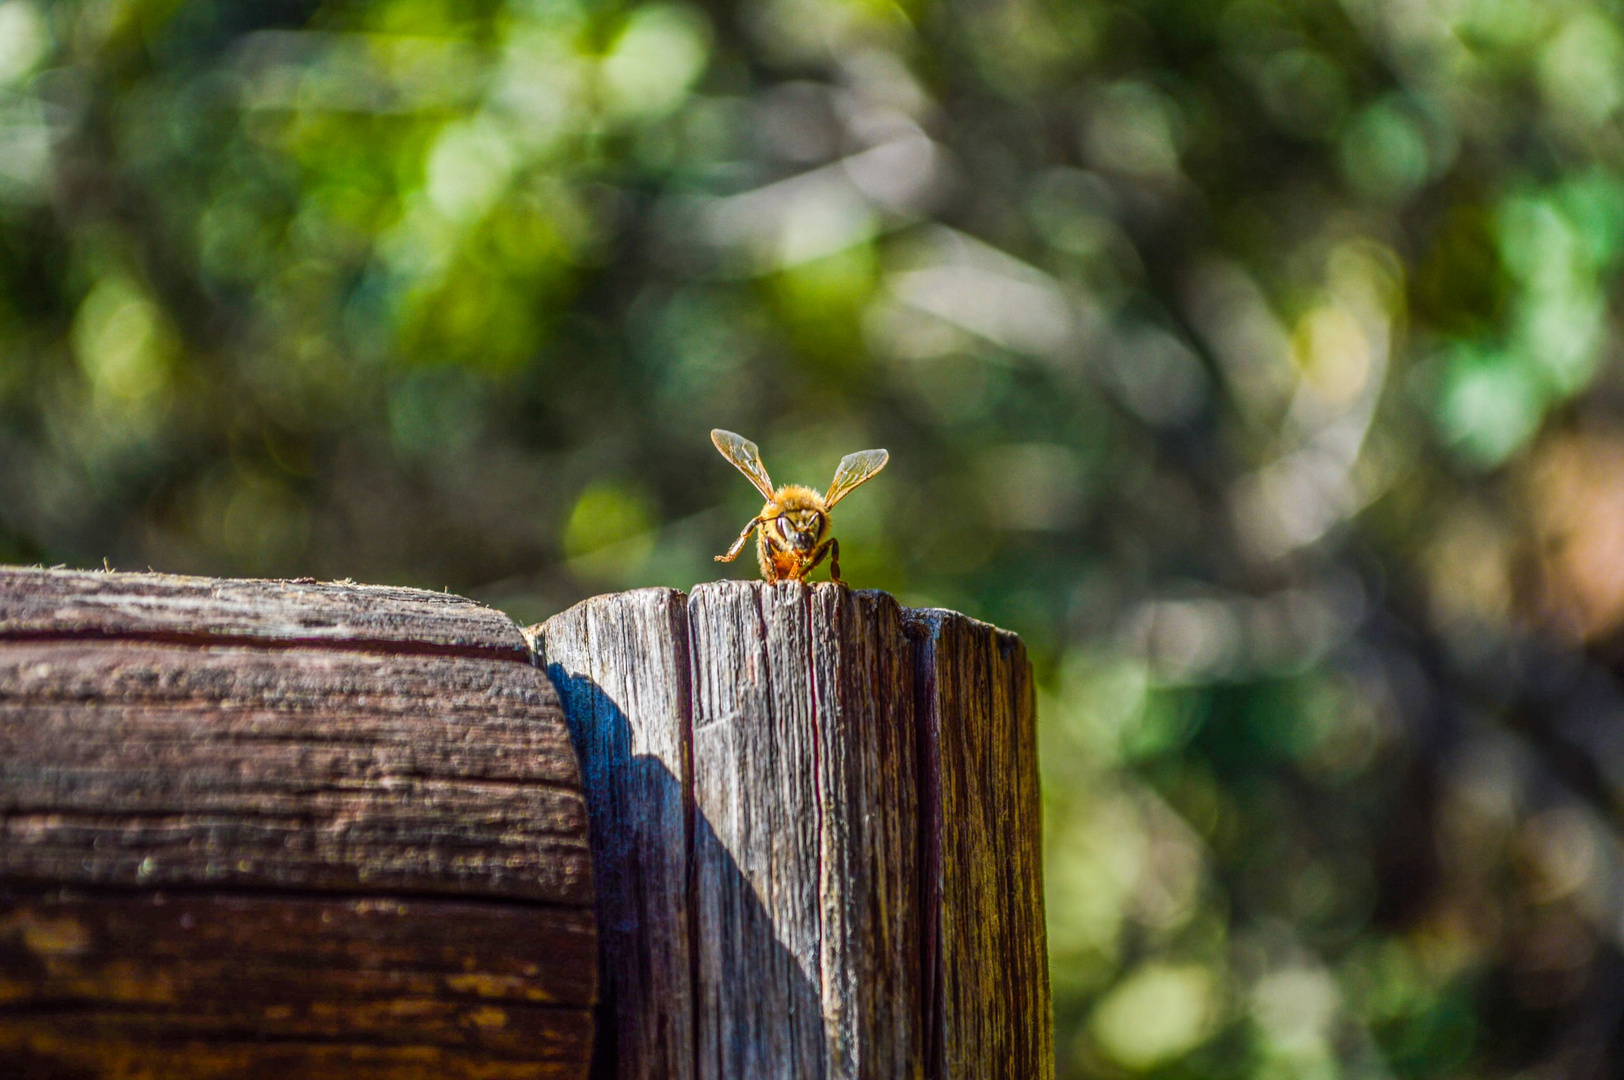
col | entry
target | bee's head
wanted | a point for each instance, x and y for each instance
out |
(800, 529)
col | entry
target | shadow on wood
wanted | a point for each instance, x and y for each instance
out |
(787, 1008)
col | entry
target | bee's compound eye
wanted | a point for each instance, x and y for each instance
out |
(784, 527)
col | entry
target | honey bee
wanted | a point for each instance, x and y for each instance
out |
(793, 528)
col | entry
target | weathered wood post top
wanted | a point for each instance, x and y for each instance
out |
(815, 831)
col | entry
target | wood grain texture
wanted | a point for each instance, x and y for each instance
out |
(320, 983)
(869, 815)
(133, 1046)
(273, 829)
(807, 933)
(83, 603)
(153, 764)
(864, 822)
(757, 929)
(305, 961)
(620, 664)
(988, 962)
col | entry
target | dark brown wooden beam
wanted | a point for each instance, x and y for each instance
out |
(284, 829)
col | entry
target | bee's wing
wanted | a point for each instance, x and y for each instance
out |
(853, 470)
(746, 457)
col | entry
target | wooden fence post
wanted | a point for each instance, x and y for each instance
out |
(278, 829)
(823, 809)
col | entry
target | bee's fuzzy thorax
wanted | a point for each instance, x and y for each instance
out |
(793, 497)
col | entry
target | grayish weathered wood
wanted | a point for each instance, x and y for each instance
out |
(869, 834)
(757, 927)
(621, 667)
(277, 829)
(819, 734)
(87, 603)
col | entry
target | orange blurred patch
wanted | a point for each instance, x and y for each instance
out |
(1576, 497)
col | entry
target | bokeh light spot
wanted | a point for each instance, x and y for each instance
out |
(1384, 153)
(24, 40)
(657, 57)
(119, 338)
(1157, 1013)
(609, 532)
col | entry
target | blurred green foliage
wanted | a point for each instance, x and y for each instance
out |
(1256, 360)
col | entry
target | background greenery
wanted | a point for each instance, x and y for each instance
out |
(1256, 360)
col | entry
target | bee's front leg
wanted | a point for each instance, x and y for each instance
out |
(738, 545)
(765, 557)
(834, 562)
(811, 562)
